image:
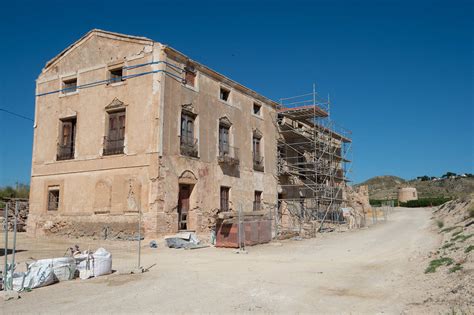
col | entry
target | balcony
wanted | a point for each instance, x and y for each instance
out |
(189, 146)
(228, 155)
(112, 147)
(258, 164)
(65, 152)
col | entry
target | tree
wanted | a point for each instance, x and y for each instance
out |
(448, 175)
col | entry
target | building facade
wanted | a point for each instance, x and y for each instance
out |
(129, 129)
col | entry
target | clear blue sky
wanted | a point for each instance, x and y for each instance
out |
(400, 73)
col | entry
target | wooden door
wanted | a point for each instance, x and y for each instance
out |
(183, 206)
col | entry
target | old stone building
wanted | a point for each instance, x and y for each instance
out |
(124, 124)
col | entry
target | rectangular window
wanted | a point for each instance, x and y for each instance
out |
(257, 156)
(224, 94)
(224, 199)
(224, 148)
(187, 140)
(66, 144)
(257, 109)
(53, 198)
(190, 76)
(116, 75)
(257, 202)
(70, 85)
(114, 141)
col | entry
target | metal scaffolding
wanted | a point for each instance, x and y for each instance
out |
(314, 157)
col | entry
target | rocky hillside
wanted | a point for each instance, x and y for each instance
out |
(450, 271)
(382, 187)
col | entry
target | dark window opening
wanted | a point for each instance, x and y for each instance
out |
(257, 202)
(257, 109)
(70, 85)
(224, 94)
(183, 206)
(187, 141)
(115, 139)
(190, 76)
(66, 145)
(116, 75)
(224, 197)
(53, 199)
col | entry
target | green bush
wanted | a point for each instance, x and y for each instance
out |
(461, 237)
(457, 267)
(449, 229)
(469, 249)
(434, 264)
(440, 224)
(425, 202)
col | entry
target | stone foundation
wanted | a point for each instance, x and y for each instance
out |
(104, 227)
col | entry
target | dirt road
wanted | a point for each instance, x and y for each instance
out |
(374, 270)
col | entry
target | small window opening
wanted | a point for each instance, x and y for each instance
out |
(70, 86)
(116, 75)
(53, 199)
(257, 202)
(224, 95)
(257, 109)
(190, 76)
(224, 207)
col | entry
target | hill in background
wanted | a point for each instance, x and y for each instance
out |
(386, 187)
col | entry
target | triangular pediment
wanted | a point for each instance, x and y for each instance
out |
(225, 121)
(89, 35)
(257, 133)
(115, 104)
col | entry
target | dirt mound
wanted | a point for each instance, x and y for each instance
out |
(450, 272)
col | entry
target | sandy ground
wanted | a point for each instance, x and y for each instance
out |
(373, 270)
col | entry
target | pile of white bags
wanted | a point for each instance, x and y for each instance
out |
(39, 274)
(48, 271)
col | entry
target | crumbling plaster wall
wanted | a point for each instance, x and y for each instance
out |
(203, 100)
(85, 181)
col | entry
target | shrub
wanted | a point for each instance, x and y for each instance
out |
(447, 245)
(461, 237)
(440, 223)
(449, 229)
(469, 248)
(434, 264)
(457, 267)
(425, 202)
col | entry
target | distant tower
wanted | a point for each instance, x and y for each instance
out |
(407, 193)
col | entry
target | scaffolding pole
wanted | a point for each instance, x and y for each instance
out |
(313, 158)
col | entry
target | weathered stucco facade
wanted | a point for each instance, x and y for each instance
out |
(108, 141)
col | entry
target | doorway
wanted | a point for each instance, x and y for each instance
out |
(183, 206)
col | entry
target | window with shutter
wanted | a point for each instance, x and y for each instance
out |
(114, 141)
(223, 140)
(66, 141)
(187, 140)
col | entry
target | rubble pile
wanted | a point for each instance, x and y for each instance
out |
(22, 216)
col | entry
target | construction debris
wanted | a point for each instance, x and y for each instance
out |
(182, 240)
(94, 264)
(22, 213)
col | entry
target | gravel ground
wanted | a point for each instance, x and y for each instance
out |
(374, 270)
